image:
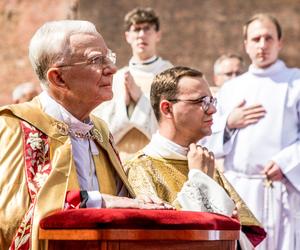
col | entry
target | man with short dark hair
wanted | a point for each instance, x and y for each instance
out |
(175, 169)
(257, 131)
(129, 114)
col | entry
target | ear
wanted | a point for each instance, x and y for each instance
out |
(280, 44)
(128, 37)
(216, 79)
(158, 36)
(245, 46)
(166, 109)
(55, 78)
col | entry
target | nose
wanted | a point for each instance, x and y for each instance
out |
(262, 42)
(109, 69)
(212, 109)
(141, 33)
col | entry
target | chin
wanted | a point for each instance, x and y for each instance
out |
(107, 98)
(264, 63)
(208, 133)
(204, 134)
(108, 95)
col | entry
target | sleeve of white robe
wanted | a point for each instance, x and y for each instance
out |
(294, 215)
(143, 117)
(289, 161)
(114, 112)
(201, 193)
(289, 157)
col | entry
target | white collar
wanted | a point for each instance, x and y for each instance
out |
(161, 147)
(273, 69)
(151, 60)
(51, 107)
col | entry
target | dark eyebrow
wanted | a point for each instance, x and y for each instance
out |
(190, 100)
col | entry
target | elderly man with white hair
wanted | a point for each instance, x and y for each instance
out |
(54, 155)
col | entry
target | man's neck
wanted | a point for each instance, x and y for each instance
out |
(74, 108)
(141, 57)
(172, 135)
(161, 147)
(264, 66)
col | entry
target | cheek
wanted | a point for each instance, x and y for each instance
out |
(276, 50)
(77, 79)
(225, 78)
(194, 115)
(93, 78)
(154, 40)
(250, 48)
(129, 37)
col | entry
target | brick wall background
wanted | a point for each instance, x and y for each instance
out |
(195, 32)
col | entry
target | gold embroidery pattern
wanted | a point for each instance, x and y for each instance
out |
(65, 130)
(157, 177)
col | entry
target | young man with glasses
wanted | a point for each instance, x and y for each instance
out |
(54, 155)
(257, 130)
(172, 167)
(129, 114)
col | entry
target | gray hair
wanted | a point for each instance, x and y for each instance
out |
(217, 64)
(22, 89)
(50, 44)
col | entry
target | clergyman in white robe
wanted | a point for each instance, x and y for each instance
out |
(275, 137)
(132, 129)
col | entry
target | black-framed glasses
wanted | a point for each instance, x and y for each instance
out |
(205, 101)
(99, 60)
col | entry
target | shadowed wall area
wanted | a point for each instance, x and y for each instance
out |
(195, 32)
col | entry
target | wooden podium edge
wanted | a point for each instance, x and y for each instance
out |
(137, 234)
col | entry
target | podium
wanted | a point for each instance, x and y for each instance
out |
(133, 229)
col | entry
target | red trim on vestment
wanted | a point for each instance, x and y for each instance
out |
(37, 169)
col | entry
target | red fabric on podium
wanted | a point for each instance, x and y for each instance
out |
(137, 218)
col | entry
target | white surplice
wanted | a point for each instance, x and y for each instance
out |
(275, 137)
(115, 113)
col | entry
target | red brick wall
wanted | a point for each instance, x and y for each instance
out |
(19, 19)
(195, 32)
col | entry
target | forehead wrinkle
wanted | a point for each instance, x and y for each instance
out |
(84, 44)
